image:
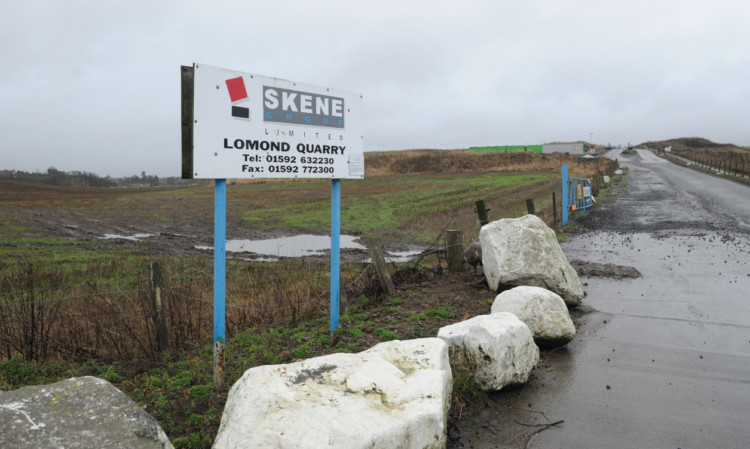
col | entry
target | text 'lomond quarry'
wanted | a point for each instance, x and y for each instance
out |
(268, 145)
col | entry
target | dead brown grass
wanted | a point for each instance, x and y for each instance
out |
(391, 163)
(694, 144)
(31, 194)
(50, 313)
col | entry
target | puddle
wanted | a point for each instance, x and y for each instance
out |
(303, 245)
(133, 238)
(401, 256)
(292, 246)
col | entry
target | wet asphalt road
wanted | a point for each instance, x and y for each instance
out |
(662, 361)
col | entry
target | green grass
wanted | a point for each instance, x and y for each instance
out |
(198, 391)
(385, 334)
(386, 203)
(301, 352)
(436, 314)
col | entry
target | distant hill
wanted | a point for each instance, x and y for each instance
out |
(692, 143)
(390, 163)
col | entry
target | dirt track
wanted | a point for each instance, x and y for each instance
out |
(662, 360)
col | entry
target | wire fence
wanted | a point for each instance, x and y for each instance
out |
(42, 318)
(726, 163)
(105, 308)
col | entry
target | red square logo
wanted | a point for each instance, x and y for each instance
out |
(236, 89)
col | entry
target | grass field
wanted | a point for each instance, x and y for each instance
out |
(75, 303)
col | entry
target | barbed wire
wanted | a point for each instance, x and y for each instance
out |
(206, 275)
(360, 275)
(166, 290)
(169, 290)
(20, 292)
(69, 298)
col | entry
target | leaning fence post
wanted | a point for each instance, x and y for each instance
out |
(378, 261)
(455, 250)
(157, 306)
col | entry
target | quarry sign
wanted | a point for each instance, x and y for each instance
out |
(242, 125)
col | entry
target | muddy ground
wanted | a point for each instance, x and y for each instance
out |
(173, 221)
(661, 359)
(148, 221)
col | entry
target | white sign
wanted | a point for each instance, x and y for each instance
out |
(587, 191)
(251, 126)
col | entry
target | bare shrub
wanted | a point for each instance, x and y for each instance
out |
(273, 294)
(27, 315)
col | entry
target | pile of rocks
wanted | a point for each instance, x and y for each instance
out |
(397, 394)
(394, 395)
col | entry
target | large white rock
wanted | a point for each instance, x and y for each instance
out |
(79, 412)
(498, 349)
(394, 395)
(524, 251)
(542, 310)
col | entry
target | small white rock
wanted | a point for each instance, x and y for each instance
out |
(542, 310)
(499, 349)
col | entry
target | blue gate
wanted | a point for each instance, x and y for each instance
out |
(576, 194)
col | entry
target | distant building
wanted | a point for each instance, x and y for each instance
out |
(570, 148)
(507, 149)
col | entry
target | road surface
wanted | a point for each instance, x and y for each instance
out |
(662, 360)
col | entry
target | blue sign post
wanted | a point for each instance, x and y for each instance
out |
(335, 251)
(220, 232)
(565, 194)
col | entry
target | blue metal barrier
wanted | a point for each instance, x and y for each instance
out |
(576, 194)
(579, 193)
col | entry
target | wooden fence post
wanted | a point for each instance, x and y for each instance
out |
(455, 250)
(157, 306)
(530, 206)
(554, 211)
(482, 212)
(378, 261)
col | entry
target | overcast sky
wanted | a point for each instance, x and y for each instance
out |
(95, 85)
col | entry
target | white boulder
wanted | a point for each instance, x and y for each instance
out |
(542, 310)
(524, 251)
(498, 349)
(394, 395)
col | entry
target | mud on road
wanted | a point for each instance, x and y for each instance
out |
(661, 359)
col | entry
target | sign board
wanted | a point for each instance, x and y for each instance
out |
(586, 191)
(252, 126)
